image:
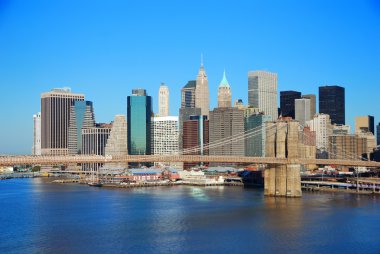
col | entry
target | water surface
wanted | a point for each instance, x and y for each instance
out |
(40, 217)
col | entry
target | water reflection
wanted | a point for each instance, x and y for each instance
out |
(198, 194)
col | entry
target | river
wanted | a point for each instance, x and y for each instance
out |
(38, 216)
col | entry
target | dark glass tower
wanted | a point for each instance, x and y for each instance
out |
(139, 113)
(81, 117)
(332, 102)
(287, 103)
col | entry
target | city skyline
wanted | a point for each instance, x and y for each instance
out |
(35, 66)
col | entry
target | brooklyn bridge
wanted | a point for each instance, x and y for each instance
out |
(286, 150)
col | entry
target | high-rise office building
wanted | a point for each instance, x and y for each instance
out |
(188, 94)
(202, 93)
(165, 135)
(36, 150)
(313, 103)
(163, 100)
(94, 142)
(139, 114)
(117, 142)
(81, 117)
(55, 120)
(332, 102)
(364, 124)
(262, 92)
(255, 143)
(224, 93)
(287, 103)
(302, 107)
(165, 138)
(184, 115)
(321, 125)
(224, 123)
(187, 107)
(378, 134)
(195, 135)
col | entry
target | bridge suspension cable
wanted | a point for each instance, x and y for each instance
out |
(228, 140)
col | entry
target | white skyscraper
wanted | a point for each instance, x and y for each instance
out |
(321, 124)
(163, 100)
(262, 92)
(202, 93)
(165, 133)
(302, 110)
(36, 150)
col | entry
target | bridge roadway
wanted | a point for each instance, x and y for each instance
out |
(80, 159)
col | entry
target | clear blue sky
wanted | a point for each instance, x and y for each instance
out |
(105, 48)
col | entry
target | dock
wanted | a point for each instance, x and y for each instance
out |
(360, 186)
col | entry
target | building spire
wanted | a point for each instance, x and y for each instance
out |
(224, 82)
(202, 59)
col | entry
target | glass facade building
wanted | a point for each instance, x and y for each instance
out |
(332, 103)
(188, 95)
(287, 103)
(255, 144)
(262, 92)
(81, 117)
(139, 113)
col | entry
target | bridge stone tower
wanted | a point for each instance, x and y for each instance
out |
(282, 141)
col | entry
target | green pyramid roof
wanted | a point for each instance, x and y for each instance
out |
(224, 82)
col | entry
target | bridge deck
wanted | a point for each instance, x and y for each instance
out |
(80, 159)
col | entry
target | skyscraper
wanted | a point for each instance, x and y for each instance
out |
(184, 115)
(378, 133)
(139, 113)
(94, 142)
(36, 150)
(321, 125)
(202, 93)
(117, 142)
(165, 134)
(187, 107)
(163, 100)
(313, 105)
(262, 92)
(188, 95)
(55, 120)
(287, 103)
(195, 134)
(364, 124)
(332, 102)
(224, 123)
(224, 93)
(302, 107)
(255, 144)
(81, 117)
